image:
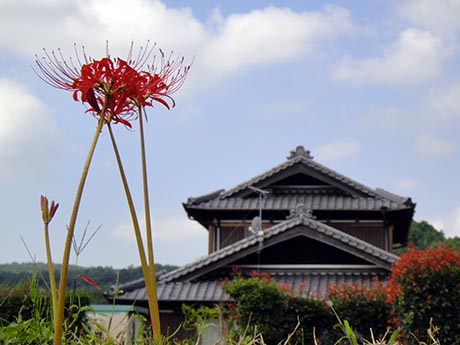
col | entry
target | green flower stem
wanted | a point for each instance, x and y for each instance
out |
(148, 229)
(140, 246)
(59, 320)
(52, 278)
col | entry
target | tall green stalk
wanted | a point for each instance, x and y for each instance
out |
(148, 278)
(148, 229)
(59, 320)
(52, 278)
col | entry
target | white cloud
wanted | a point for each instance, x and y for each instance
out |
(28, 135)
(337, 150)
(256, 37)
(58, 24)
(428, 145)
(409, 185)
(177, 240)
(164, 229)
(450, 224)
(415, 57)
(440, 16)
(221, 45)
(437, 109)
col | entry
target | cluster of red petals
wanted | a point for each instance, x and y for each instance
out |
(433, 259)
(413, 263)
(110, 87)
(260, 275)
(115, 88)
(357, 291)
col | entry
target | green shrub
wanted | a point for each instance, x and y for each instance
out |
(425, 286)
(261, 302)
(364, 305)
(312, 316)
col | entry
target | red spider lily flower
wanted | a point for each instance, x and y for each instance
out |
(110, 85)
(165, 80)
(114, 86)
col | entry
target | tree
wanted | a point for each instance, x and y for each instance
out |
(423, 235)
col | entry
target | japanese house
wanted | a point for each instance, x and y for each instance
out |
(303, 223)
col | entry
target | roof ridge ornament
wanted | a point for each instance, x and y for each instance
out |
(300, 152)
(301, 211)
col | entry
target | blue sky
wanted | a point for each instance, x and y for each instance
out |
(371, 88)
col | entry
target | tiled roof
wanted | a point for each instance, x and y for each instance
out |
(300, 155)
(207, 291)
(304, 282)
(364, 198)
(288, 202)
(297, 220)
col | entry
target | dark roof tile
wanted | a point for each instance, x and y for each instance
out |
(304, 282)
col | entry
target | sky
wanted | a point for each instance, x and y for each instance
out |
(371, 88)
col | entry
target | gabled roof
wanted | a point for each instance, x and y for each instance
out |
(332, 185)
(299, 224)
(190, 283)
(302, 156)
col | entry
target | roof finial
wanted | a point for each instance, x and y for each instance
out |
(300, 152)
(302, 211)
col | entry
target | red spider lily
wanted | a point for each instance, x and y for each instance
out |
(165, 80)
(110, 85)
(115, 86)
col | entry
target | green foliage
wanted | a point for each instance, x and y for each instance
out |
(311, 315)
(197, 318)
(32, 325)
(389, 338)
(424, 288)
(260, 302)
(275, 310)
(423, 235)
(14, 301)
(453, 242)
(26, 316)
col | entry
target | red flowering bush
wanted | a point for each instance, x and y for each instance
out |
(364, 305)
(424, 285)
